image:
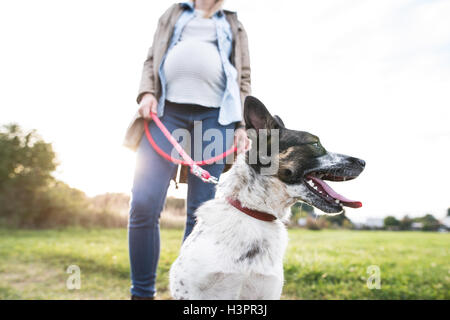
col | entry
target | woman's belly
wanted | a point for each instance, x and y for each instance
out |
(194, 73)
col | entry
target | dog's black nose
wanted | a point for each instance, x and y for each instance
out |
(358, 162)
(361, 162)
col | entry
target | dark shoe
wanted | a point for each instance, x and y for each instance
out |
(133, 297)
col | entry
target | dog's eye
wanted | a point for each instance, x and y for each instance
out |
(286, 172)
(317, 148)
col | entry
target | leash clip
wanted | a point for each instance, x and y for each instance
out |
(203, 174)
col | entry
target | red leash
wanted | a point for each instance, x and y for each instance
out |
(194, 165)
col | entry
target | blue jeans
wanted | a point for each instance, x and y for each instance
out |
(151, 181)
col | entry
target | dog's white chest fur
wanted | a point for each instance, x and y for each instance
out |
(230, 255)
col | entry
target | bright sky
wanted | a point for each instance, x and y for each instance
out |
(370, 78)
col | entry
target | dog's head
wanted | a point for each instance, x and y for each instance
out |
(302, 163)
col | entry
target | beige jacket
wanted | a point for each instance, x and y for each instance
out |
(150, 82)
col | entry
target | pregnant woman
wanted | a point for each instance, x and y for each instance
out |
(195, 78)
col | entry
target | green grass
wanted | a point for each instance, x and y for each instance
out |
(318, 264)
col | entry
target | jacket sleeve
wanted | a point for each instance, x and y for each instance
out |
(245, 83)
(147, 84)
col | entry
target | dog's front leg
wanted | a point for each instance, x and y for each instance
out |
(217, 286)
(262, 287)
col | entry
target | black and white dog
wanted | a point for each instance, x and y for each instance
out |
(236, 248)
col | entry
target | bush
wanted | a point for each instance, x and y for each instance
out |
(300, 210)
(312, 224)
(339, 221)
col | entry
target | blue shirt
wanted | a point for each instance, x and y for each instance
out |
(230, 108)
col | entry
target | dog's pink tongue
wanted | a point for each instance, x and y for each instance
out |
(346, 202)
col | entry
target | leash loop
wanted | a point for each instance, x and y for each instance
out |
(194, 165)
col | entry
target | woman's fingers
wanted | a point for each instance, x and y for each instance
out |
(147, 105)
(248, 144)
(240, 147)
(154, 106)
(237, 142)
(144, 111)
(242, 142)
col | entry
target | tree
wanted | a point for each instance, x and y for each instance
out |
(26, 166)
(405, 223)
(31, 197)
(430, 223)
(25, 159)
(391, 222)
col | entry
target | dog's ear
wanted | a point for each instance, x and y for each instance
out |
(280, 122)
(257, 116)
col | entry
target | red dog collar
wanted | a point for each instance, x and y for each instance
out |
(263, 216)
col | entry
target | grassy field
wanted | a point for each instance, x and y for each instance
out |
(318, 265)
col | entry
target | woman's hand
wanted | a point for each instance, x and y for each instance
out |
(148, 103)
(241, 140)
